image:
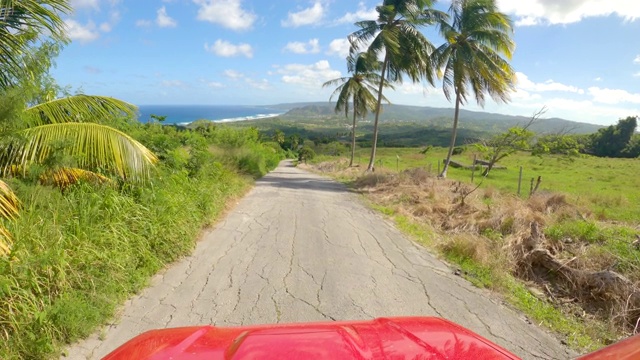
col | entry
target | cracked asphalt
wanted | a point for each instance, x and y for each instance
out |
(300, 247)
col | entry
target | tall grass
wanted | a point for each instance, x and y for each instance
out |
(77, 255)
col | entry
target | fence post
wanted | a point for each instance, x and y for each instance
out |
(473, 167)
(531, 187)
(430, 165)
(520, 181)
(438, 167)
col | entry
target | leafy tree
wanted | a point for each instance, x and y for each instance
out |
(614, 139)
(502, 145)
(558, 144)
(406, 50)
(359, 88)
(471, 57)
(278, 136)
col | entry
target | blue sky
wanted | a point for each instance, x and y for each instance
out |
(579, 58)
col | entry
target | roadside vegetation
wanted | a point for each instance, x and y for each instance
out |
(568, 255)
(92, 202)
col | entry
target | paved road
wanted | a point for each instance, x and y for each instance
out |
(300, 247)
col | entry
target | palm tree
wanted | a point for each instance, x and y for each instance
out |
(470, 60)
(395, 36)
(359, 89)
(75, 122)
(21, 24)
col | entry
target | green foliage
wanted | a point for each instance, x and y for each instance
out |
(505, 144)
(558, 145)
(616, 140)
(79, 253)
(306, 153)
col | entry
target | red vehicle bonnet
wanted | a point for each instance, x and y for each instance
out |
(383, 338)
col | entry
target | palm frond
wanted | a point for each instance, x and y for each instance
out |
(9, 207)
(21, 24)
(64, 177)
(78, 108)
(94, 146)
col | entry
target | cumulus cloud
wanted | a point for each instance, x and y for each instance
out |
(164, 20)
(227, 49)
(613, 96)
(534, 12)
(226, 13)
(363, 13)
(525, 84)
(215, 85)
(339, 47)
(83, 33)
(313, 75)
(308, 16)
(637, 60)
(262, 84)
(310, 47)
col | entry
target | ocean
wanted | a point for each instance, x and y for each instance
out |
(185, 114)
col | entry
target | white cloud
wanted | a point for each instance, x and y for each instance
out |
(636, 74)
(361, 14)
(164, 20)
(313, 75)
(227, 13)
(227, 49)
(82, 33)
(92, 70)
(613, 96)
(534, 12)
(339, 47)
(143, 23)
(310, 47)
(233, 74)
(215, 85)
(637, 60)
(308, 16)
(525, 84)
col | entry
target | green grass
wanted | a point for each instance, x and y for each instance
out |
(80, 253)
(607, 187)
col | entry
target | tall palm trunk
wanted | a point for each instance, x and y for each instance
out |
(454, 133)
(353, 132)
(374, 145)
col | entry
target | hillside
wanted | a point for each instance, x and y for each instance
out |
(441, 118)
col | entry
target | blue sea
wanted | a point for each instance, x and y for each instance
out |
(185, 114)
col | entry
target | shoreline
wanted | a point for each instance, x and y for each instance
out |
(237, 119)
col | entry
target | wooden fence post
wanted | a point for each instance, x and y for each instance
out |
(473, 167)
(520, 181)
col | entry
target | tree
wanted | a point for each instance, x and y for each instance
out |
(406, 50)
(614, 139)
(21, 26)
(359, 89)
(470, 58)
(515, 139)
(279, 137)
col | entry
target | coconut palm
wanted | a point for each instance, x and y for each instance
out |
(74, 123)
(470, 60)
(21, 24)
(358, 89)
(395, 37)
(71, 126)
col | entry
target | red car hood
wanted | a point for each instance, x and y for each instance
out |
(383, 338)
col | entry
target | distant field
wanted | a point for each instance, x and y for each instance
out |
(610, 188)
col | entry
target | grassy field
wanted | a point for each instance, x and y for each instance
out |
(608, 187)
(593, 227)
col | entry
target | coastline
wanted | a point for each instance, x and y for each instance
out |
(237, 119)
